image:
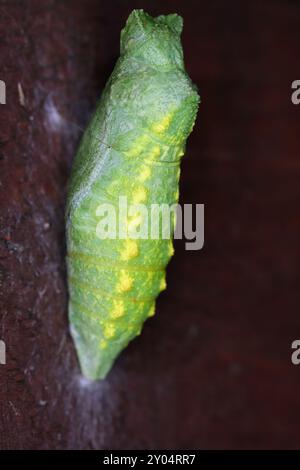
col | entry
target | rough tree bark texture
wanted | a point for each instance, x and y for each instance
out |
(213, 368)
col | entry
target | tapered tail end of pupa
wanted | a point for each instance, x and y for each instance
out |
(94, 361)
(96, 354)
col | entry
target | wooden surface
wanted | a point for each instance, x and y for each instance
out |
(212, 369)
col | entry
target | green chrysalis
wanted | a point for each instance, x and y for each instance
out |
(131, 148)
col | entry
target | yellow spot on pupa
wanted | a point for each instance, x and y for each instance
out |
(176, 194)
(125, 283)
(130, 250)
(163, 284)
(151, 311)
(162, 125)
(118, 309)
(145, 174)
(103, 344)
(134, 151)
(109, 330)
(143, 139)
(138, 331)
(138, 146)
(139, 195)
(155, 152)
(170, 249)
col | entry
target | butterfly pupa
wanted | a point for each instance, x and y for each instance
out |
(131, 150)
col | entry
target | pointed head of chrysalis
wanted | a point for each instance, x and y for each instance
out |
(149, 43)
(162, 35)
